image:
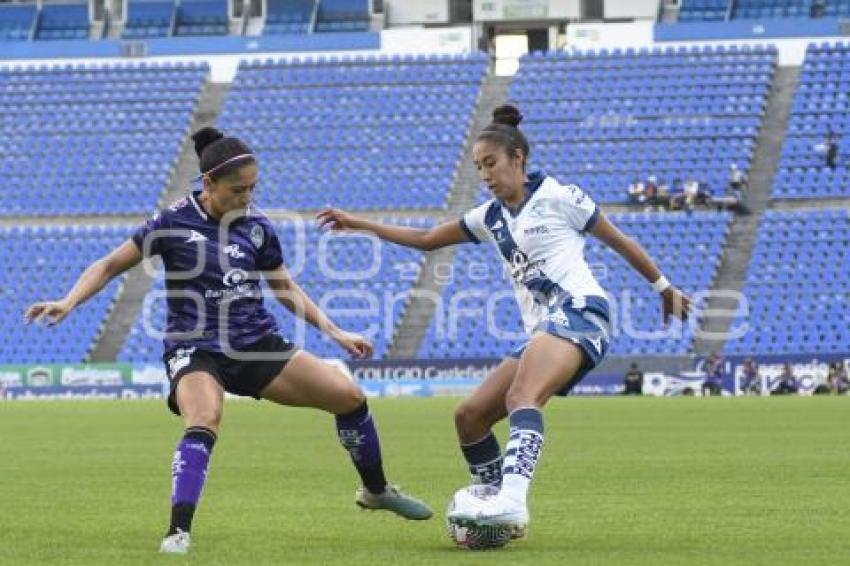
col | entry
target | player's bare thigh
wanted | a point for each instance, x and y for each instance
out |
(200, 399)
(307, 381)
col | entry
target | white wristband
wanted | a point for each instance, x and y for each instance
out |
(661, 285)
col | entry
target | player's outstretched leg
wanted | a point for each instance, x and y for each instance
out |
(307, 381)
(199, 398)
(188, 473)
(357, 434)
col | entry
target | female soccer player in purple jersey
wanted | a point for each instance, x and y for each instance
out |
(538, 226)
(215, 247)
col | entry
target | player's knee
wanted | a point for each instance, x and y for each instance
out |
(518, 397)
(469, 416)
(207, 417)
(352, 398)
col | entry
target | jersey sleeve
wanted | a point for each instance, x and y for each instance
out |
(270, 253)
(580, 210)
(151, 236)
(473, 225)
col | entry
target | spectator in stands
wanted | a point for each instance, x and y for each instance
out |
(633, 382)
(636, 193)
(650, 190)
(787, 383)
(687, 195)
(830, 144)
(737, 182)
(837, 379)
(662, 199)
(818, 8)
(750, 379)
(564, 307)
(714, 371)
(217, 311)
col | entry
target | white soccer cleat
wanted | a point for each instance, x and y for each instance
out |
(178, 543)
(495, 512)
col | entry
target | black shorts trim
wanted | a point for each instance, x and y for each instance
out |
(244, 376)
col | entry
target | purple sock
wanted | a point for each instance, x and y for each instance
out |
(188, 473)
(357, 433)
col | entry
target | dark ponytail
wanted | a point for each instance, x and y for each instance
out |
(220, 155)
(504, 131)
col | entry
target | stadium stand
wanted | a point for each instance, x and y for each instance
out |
(17, 21)
(101, 140)
(797, 285)
(202, 17)
(63, 21)
(718, 10)
(362, 133)
(703, 10)
(339, 272)
(602, 119)
(289, 16)
(687, 247)
(40, 263)
(343, 15)
(821, 104)
(149, 19)
(762, 9)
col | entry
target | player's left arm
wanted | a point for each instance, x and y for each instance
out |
(675, 302)
(290, 294)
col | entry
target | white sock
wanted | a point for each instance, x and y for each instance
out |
(521, 454)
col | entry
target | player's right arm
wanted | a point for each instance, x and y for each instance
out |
(92, 280)
(440, 236)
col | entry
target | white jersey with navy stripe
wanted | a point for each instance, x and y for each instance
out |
(542, 244)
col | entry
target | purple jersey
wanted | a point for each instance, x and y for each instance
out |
(212, 275)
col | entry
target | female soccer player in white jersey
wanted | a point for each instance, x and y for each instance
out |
(216, 246)
(539, 227)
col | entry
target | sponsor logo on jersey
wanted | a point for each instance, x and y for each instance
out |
(234, 277)
(536, 230)
(233, 251)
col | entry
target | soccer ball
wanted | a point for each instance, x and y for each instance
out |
(474, 537)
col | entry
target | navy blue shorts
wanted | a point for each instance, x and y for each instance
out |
(584, 322)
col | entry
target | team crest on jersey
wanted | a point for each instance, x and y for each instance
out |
(257, 236)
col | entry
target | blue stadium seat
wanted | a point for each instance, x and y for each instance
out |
(42, 263)
(365, 133)
(343, 15)
(797, 286)
(149, 19)
(17, 21)
(820, 105)
(289, 16)
(202, 17)
(703, 10)
(601, 119)
(97, 140)
(63, 21)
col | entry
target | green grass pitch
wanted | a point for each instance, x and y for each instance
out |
(622, 481)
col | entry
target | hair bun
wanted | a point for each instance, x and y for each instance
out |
(507, 114)
(204, 137)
